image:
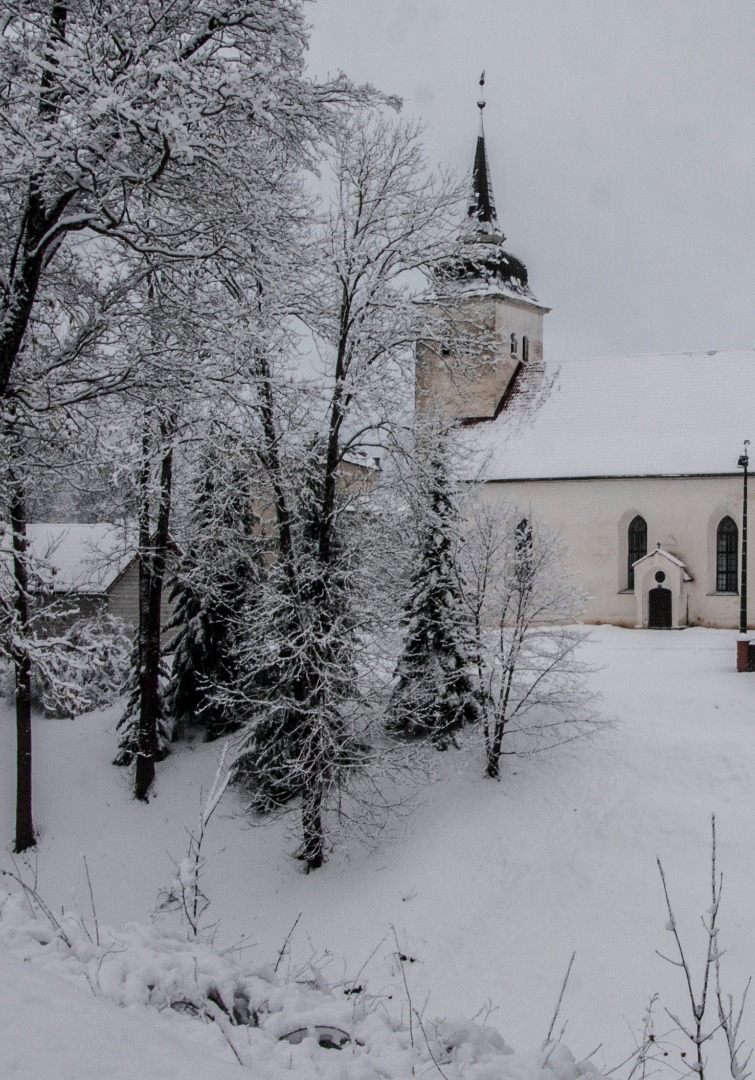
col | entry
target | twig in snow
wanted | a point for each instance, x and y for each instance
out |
(91, 900)
(32, 893)
(399, 955)
(558, 1003)
(282, 950)
(436, 1063)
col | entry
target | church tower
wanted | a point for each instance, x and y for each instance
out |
(497, 322)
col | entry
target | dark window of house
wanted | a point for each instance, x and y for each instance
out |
(525, 348)
(726, 555)
(637, 547)
(514, 345)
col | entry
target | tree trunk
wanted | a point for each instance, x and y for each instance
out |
(313, 829)
(494, 752)
(22, 668)
(25, 268)
(153, 554)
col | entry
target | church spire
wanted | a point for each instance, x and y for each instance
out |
(482, 204)
(482, 259)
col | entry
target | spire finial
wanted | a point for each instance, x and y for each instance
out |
(481, 204)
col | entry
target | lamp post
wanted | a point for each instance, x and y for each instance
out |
(743, 463)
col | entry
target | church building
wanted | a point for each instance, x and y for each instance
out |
(634, 460)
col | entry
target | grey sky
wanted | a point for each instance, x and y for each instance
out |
(621, 136)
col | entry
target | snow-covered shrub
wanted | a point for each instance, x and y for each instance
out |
(82, 668)
(268, 1022)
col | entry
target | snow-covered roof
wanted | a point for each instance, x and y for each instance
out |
(498, 288)
(659, 415)
(362, 459)
(662, 553)
(75, 558)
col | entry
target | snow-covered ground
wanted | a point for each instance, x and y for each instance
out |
(489, 887)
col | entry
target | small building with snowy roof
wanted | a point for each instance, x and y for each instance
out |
(633, 460)
(92, 568)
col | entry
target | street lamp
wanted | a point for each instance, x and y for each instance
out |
(743, 462)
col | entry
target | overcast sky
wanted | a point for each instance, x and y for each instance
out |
(621, 137)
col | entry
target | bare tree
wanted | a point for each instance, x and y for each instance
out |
(532, 680)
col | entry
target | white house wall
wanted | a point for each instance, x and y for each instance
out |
(592, 516)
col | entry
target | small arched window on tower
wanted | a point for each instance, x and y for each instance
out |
(637, 546)
(514, 345)
(525, 349)
(727, 536)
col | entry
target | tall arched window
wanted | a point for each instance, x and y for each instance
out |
(514, 345)
(727, 536)
(637, 545)
(523, 546)
(525, 349)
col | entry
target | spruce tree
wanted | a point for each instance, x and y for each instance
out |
(128, 725)
(298, 677)
(212, 583)
(434, 692)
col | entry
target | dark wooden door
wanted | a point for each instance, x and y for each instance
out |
(659, 608)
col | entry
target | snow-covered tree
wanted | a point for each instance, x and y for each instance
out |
(217, 575)
(71, 357)
(112, 117)
(307, 718)
(523, 604)
(435, 692)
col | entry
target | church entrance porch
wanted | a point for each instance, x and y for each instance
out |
(660, 585)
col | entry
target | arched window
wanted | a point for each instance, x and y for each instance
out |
(525, 348)
(514, 345)
(727, 536)
(523, 546)
(637, 545)
(523, 536)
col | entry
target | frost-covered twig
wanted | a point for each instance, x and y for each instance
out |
(91, 900)
(727, 1022)
(399, 958)
(282, 950)
(31, 894)
(730, 1025)
(558, 1003)
(435, 1061)
(185, 892)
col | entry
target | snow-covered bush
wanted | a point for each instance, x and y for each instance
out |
(269, 1022)
(80, 669)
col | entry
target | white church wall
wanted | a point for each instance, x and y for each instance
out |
(592, 516)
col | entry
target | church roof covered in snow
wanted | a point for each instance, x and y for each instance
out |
(658, 415)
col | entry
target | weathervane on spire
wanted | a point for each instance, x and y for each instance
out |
(481, 99)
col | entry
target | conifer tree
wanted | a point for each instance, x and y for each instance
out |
(215, 579)
(434, 693)
(128, 725)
